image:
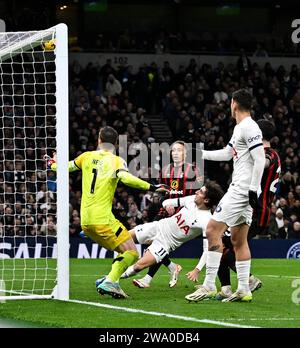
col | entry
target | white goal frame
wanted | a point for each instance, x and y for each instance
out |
(61, 290)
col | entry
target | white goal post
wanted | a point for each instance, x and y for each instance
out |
(34, 202)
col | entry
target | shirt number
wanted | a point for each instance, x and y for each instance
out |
(94, 180)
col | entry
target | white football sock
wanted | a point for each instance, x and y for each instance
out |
(243, 272)
(212, 266)
(147, 279)
(130, 271)
(172, 266)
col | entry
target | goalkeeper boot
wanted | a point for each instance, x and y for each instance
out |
(224, 293)
(254, 283)
(239, 296)
(111, 288)
(202, 293)
(141, 283)
(174, 276)
(99, 281)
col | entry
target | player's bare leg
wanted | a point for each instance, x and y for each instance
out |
(146, 261)
(214, 234)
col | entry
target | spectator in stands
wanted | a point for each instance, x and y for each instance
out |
(279, 218)
(294, 232)
(243, 64)
(124, 41)
(154, 207)
(113, 86)
(296, 209)
(282, 232)
(260, 51)
(220, 95)
(134, 213)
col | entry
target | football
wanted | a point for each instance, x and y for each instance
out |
(49, 45)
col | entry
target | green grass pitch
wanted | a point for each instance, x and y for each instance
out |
(276, 304)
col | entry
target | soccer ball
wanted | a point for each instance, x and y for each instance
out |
(49, 45)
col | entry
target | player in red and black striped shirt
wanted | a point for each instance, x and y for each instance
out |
(184, 179)
(261, 215)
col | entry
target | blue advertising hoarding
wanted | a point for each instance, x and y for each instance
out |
(36, 247)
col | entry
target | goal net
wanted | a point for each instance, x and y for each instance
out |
(34, 208)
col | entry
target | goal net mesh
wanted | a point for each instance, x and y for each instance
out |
(27, 188)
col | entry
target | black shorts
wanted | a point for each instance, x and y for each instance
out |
(262, 217)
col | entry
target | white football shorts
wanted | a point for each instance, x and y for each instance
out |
(145, 233)
(233, 209)
(158, 250)
(150, 233)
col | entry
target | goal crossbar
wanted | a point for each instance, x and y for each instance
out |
(30, 40)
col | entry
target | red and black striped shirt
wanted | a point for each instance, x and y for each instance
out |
(183, 180)
(269, 183)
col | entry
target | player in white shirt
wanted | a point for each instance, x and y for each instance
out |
(170, 233)
(235, 208)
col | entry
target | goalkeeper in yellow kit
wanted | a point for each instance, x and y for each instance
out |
(101, 171)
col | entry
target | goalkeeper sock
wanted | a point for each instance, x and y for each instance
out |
(121, 263)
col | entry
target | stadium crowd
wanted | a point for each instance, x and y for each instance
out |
(195, 100)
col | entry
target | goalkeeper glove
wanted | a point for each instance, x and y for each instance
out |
(159, 188)
(49, 161)
(253, 199)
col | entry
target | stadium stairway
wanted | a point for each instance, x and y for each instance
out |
(160, 129)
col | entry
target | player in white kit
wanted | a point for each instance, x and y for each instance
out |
(235, 208)
(170, 233)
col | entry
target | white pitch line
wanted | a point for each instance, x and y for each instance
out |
(159, 314)
(267, 319)
(279, 276)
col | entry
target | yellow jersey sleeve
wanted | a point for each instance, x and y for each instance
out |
(120, 164)
(71, 166)
(128, 179)
(78, 161)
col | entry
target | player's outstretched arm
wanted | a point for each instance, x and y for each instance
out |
(133, 181)
(218, 155)
(178, 202)
(51, 163)
(193, 275)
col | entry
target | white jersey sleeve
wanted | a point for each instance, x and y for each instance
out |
(253, 138)
(246, 138)
(252, 135)
(219, 155)
(178, 202)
